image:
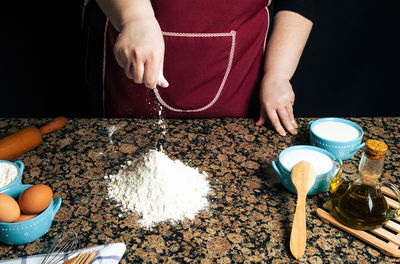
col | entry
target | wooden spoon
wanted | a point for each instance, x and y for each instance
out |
(303, 178)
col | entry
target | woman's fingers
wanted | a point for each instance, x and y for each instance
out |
(151, 72)
(128, 72)
(148, 72)
(273, 117)
(278, 117)
(121, 60)
(137, 69)
(287, 121)
(289, 109)
(263, 117)
(139, 49)
(162, 82)
(277, 99)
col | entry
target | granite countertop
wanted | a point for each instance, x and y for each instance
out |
(250, 213)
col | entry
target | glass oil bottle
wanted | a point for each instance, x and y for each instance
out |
(360, 204)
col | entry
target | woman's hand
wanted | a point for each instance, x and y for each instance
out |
(277, 99)
(139, 49)
(287, 41)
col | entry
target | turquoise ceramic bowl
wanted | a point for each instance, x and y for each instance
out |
(20, 167)
(322, 181)
(341, 150)
(32, 229)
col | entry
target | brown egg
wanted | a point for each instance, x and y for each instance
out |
(35, 199)
(9, 209)
(24, 217)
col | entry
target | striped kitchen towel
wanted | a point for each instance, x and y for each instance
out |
(105, 254)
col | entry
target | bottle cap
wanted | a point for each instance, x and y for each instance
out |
(376, 148)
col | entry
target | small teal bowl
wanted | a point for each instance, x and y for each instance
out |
(20, 168)
(322, 181)
(340, 149)
(32, 229)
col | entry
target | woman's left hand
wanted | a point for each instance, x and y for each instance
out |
(277, 99)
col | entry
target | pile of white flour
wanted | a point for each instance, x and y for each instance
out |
(159, 189)
(8, 173)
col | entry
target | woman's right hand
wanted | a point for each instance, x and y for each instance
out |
(139, 49)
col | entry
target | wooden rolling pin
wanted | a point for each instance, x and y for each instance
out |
(26, 139)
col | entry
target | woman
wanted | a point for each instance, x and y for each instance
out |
(212, 55)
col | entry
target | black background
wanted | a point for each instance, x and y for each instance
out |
(350, 66)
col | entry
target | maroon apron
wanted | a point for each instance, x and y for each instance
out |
(213, 60)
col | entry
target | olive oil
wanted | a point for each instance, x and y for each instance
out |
(360, 204)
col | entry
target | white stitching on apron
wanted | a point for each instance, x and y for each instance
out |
(266, 32)
(228, 68)
(197, 35)
(104, 64)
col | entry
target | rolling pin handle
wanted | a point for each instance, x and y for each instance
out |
(55, 124)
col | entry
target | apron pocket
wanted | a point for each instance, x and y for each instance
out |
(197, 66)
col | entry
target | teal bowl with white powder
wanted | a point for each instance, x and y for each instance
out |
(325, 164)
(10, 173)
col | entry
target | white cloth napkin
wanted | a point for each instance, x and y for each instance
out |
(105, 254)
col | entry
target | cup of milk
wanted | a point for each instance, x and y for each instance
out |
(341, 137)
(325, 164)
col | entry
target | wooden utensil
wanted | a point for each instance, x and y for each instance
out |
(26, 139)
(82, 258)
(303, 178)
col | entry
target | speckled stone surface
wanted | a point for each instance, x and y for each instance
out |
(250, 213)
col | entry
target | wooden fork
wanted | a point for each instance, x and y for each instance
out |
(82, 258)
(85, 257)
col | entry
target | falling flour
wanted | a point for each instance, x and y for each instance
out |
(159, 189)
(161, 128)
(111, 131)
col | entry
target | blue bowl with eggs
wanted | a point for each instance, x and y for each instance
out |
(339, 136)
(324, 175)
(20, 169)
(29, 230)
